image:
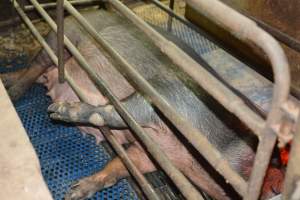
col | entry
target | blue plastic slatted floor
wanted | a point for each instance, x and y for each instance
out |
(64, 153)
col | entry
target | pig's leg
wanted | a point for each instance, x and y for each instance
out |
(104, 115)
(112, 172)
(145, 116)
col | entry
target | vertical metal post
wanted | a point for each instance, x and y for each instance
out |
(292, 178)
(60, 39)
(170, 19)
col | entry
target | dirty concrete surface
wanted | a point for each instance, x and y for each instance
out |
(19, 42)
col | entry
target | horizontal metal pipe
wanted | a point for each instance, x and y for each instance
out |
(187, 189)
(195, 137)
(247, 30)
(211, 84)
(74, 2)
(146, 187)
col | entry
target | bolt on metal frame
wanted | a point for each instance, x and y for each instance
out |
(241, 27)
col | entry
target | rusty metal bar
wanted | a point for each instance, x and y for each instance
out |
(146, 187)
(292, 177)
(187, 189)
(73, 2)
(212, 85)
(60, 40)
(195, 137)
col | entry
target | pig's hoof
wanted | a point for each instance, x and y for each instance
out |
(75, 112)
(83, 189)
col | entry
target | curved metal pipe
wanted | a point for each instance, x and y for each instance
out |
(247, 30)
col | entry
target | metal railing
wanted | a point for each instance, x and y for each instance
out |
(238, 25)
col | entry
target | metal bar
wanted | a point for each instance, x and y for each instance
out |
(73, 2)
(292, 177)
(279, 35)
(173, 14)
(29, 8)
(143, 183)
(183, 20)
(60, 40)
(194, 136)
(246, 30)
(170, 19)
(212, 85)
(40, 39)
(187, 189)
(276, 33)
(262, 159)
(146, 187)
